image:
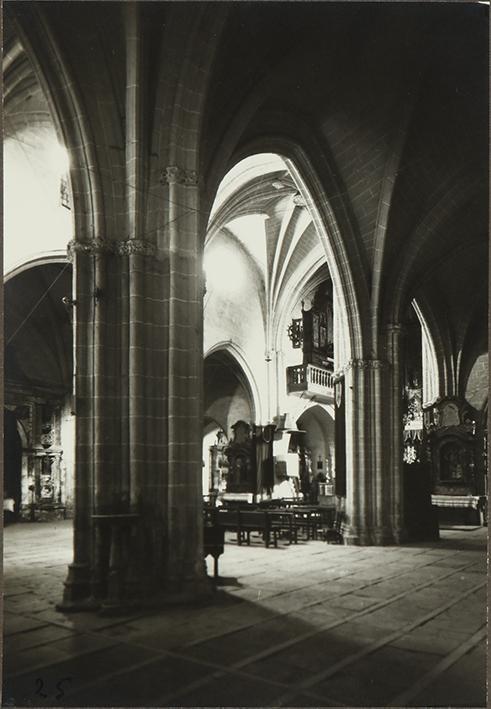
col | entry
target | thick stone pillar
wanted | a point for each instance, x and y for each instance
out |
(120, 392)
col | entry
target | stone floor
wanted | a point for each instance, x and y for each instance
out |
(308, 625)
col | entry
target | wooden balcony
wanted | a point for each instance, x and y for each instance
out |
(310, 381)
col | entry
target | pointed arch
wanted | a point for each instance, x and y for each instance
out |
(248, 380)
(346, 272)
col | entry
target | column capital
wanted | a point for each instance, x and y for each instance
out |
(135, 247)
(90, 247)
(125, 247)
(175, 175)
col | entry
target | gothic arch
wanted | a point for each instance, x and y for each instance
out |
(248, 379)
(349, 283)
(39, 260)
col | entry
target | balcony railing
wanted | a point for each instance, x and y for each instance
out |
(316, 382)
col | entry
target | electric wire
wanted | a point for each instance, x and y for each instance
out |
(37, 303)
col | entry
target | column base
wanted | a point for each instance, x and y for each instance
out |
(77, 593)
(89, 604)
(108, 609)
(354, 536)
(383, 536)
(369, 536)
(400, 535)
(197, 588)
(351, 539)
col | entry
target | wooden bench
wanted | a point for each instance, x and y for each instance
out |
(255, 521)
(269, 523)
(283, 522)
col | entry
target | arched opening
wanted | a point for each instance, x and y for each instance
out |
(444, 434)
(273, 292)
(319, 441)
(228, 399)
(38, 386)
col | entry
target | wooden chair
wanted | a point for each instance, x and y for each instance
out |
(255, 521)
(334, 533)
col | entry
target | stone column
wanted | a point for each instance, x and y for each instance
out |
(356, 498)
(78, 582)
(185, 568)
(394, 355)
(368, 494)
(382, 531)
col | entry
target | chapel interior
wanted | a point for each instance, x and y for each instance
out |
(245, 344)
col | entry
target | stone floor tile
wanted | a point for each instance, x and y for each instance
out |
(358, 633)
(444, 623)
(354, 602)
(462, 685)
(230, 691)
(314, 654)
(428, 638)
(317, 615)
(33, 638)
(144, 684)
(353, 690)
(56, 652)
(14, 623)
(281, 667)
(387, 618)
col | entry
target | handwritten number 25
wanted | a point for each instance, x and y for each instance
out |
(60, 693)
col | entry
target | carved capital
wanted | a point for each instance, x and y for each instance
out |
(175, 175)
(94, 246)
(138, 247)
(121, 248)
